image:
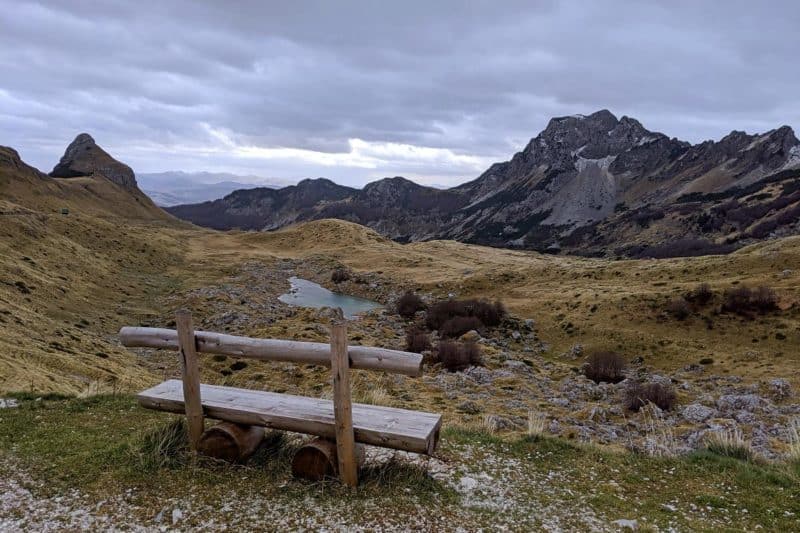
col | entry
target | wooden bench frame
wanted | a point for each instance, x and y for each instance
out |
(337, 355)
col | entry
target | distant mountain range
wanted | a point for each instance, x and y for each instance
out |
(177, 187)
(591, 185)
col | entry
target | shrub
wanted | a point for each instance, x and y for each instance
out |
(165, 446)
(417, 340)
(701, 295)
(457, 326)
(743, 300)
(637, 395)
(794, 440)
(605, 367)
(456, 356)
(729, 443)
(339, 275)
(490, 314)
(408, 305)
(678, 308)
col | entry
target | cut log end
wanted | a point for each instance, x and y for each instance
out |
(230, 442)
(318, 460)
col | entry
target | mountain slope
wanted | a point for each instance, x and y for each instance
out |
(593, 185)
(79, 257)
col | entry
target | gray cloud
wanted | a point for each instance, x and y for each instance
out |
(358, 90)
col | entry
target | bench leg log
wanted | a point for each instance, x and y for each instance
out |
(230, 442)
(317, 460)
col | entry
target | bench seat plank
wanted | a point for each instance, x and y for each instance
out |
(401, 429)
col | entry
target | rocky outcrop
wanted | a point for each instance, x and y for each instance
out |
(591, 185)
(84, 158)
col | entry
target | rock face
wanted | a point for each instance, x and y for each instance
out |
(84, 158)
(590, 185)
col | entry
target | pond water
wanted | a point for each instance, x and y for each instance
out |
(306, 293)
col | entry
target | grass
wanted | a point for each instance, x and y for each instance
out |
(106, 444)
(729, 443)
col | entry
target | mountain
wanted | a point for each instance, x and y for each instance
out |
(177, 187)
(590, 185)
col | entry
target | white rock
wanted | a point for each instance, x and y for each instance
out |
(623, 523)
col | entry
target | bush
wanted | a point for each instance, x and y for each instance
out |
(678, 308)
(417, 340)
(457, 326)
(490, 314)
(637, 395)
(729, 443)
(456, 356)
(743, 300)
(604, 367)
(339, 275)
(701, 295)
(408, 305)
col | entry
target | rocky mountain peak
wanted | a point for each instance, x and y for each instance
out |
(84, 157)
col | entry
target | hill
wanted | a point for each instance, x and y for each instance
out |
(78, 255)
(590, 185)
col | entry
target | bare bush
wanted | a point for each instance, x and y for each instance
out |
(490, 314)
(417, 340)
(605, 367)
(700, 295)
(678, 308)
(340, 275)
(637, 395)
(744, 301)
(457, 326)
(408, 305)
(456, 356)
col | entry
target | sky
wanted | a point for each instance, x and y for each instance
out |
(357, 91)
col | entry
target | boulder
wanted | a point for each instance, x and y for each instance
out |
(698, 413)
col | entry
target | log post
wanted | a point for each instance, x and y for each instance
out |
(191, 376)
(317, 459)
(342, 404)
(231, 442)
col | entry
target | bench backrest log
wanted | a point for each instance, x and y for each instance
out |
(337, 355)
(314, 353)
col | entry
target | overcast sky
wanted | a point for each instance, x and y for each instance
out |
(431, 90)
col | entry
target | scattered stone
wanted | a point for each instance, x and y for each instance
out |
(495, 423)
(177, 516)
(471, 336)
(697, 413)
(8, 403)
(623, 523)
(574, 352)
(738, 402)
(516, 335)
(780, 388)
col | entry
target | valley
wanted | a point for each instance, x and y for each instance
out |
(85, 255)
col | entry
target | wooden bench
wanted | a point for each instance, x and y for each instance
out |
(338, 421)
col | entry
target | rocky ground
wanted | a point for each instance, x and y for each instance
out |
(521, 376)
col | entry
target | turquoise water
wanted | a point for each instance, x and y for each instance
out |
(306, 293)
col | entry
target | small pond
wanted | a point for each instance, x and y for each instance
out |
(306, 293)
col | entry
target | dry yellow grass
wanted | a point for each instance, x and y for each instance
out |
(593, 302)
(113, 260)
